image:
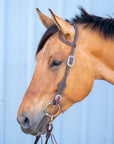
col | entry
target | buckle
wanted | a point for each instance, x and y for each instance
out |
(70, 61)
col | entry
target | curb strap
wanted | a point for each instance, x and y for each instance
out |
(60, 105)
(57, 103)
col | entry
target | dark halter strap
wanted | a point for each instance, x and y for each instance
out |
(70, 62)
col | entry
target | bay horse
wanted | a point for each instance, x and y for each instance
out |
(94, 59)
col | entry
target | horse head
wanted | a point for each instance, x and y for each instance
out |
(51, 56)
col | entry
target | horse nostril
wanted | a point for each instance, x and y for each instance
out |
(24, 122)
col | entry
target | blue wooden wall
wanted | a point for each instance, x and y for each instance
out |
(88, 122)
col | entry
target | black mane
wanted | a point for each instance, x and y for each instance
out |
(104, 25)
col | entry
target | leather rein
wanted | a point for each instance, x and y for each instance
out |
(61, 86)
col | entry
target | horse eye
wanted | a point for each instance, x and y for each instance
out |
(55, 63)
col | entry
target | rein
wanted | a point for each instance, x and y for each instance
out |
(61, 87)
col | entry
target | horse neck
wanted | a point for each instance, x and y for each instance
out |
(101, 52)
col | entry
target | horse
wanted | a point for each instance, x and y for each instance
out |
(93, 58)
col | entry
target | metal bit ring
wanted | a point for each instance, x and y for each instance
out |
(47, 114)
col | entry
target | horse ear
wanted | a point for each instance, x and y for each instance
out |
(47, 22)
(63, 25)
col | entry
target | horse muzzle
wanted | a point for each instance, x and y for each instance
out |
(34, 127)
